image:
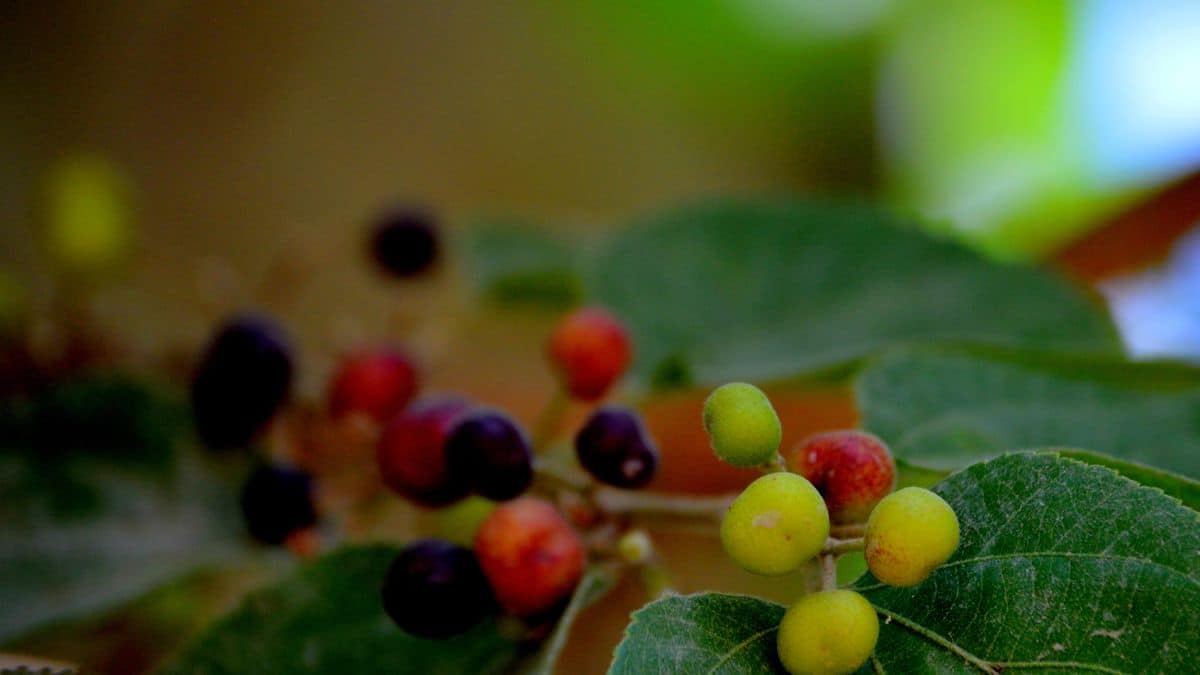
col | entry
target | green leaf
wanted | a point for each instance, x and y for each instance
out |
(327, 618)
(595, 584)
(947, 408)
(744, 290)
(1184, 489)
(703, 633)
(99, 506)
(1061, 566)
(513, 263)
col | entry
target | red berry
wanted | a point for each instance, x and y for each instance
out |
(377, 383)
(411, 453)
(591, 350)
(852, 469)
(530, 555)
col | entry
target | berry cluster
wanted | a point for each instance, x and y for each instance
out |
(829, 483)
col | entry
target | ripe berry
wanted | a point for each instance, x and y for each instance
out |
(909, 535)
(827, 632)
(377, 383)
(852, 469)
(778, 523)
(591, 350)
(742, 425)
(492, 454)
(530, 555)
(242, 379)
(276, 502)
(435, 589)
(411, 452)
(405, 242)
(613, 447)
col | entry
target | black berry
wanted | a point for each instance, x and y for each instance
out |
(435, 589)
(242, 379)
(613, 447)
(277, 501)
(405, 242)
(491, 452)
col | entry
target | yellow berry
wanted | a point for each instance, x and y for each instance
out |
(742, 425)
(827, 632)
(458, 522)
(89, 217)
(777, 524)
(909, 534)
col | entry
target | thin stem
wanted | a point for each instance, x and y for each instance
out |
(555, 478)
(837, 547)
(550, 419)
(828, 572)
(613, 500)
(848, 531)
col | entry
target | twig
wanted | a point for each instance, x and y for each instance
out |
(627, 501)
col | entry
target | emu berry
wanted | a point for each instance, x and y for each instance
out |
(377, 383)
(241, 380)
(742, 425)
(831, 631)
(277, 501)
(777, 524)
(411, 453)
(909, 535)
(492, 453)
(613, 447)
(853, 470)
(435, 589)
(405, 242)
(591, 350)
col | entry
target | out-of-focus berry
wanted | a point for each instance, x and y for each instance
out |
(590, 350)
(613, 447)
(404, 242)
(377, 383)
(435, 590)
(412, 453)
(277, 501)
(492, 453)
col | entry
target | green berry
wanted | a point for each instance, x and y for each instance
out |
(827, 632)
(742, 425)
(777, 524)
(909, 534)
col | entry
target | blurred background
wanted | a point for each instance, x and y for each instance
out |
(167, 162)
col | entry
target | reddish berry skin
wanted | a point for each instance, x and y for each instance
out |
(377, 383)
(852, 469)
(530, 555)
(591, 350)
(411, 453)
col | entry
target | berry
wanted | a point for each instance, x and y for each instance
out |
(90, 215)
(435, 589)
(778, 523)
(852, 469)
(411, 452)
(530, 555)
(459, 522)
(909, 535)
(242, 379)
(742, 425)
(276, 502)
(613, 447)
(827, 632)
(405, 242)
(377, 383)
(591, 350)
(492, 454)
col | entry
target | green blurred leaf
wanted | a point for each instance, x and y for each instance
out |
(947, 408)
(745, 290)
(1061, 566)
(327, 618)
(516, 264)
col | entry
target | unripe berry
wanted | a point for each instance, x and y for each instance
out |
(909, 535)
(435, 589)
(778, 523)
(241, 380)
(492, 453)
(90, 215)
(405, 242)
(613, 447)
(852, 469)
(590, 349)
(530, 555)
(377, 383)
(459, 522)
(827, 632)
(277, 501)
(742, 425)
(411, 452)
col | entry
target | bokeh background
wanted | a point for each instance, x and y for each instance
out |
(225, 154)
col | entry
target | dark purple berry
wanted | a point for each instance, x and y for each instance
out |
(492, 454)
(277, 501)
(435, 589)
(614, 448)
(242, 379)
(405, 242)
